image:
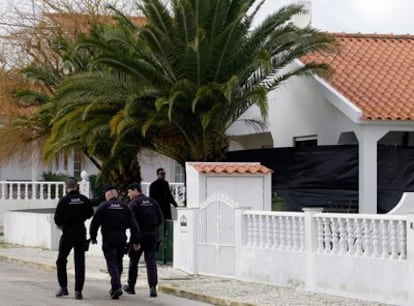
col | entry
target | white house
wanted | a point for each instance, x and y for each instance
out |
(368, 99)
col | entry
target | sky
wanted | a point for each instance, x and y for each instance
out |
(365, 16)
(352, 16)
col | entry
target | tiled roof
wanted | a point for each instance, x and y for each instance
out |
(375, 72)
(229, 168)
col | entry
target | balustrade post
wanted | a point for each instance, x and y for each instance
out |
(84, 184)
(410, 255)
(311, 244)
(240, 227)
(18, 191)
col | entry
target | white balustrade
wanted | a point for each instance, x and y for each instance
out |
(377, 236)
(343, 237)
(320, 234)
(301, 234)
(375, 239)
(335, 235)
(384, 239)
(288, 233)
(275, 230)
(249, 230)
(351, 237)
(269, 234)
(402, 239)
(19, 190)
(366, 238)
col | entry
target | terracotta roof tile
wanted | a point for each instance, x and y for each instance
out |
(375, 72)
(230, 168)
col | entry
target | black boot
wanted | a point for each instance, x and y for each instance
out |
(78, 295)
(129, 289)
(61, 292)
(153, 292)
(116, 294)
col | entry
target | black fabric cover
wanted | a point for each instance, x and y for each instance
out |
(327, 176)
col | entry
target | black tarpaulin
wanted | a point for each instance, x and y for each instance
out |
(327, 176)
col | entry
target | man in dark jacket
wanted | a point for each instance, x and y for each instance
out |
(114, 217)
(149, 217)
(160, 192)
(71, 213)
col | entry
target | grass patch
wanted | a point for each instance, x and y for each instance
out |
(3, 245)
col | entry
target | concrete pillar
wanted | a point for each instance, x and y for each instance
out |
(367, 151)
(367, 177)
(311, 244)
(185, 252)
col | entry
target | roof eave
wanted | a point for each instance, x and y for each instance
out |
(340, 101)
(337, 99)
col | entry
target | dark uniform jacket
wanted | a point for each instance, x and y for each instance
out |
(114, 217)
(160, 192)
(73, 210)
(147, 213)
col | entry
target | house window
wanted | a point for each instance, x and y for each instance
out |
(305, 141)
(65, 162)
(57, 162)
(179, 173)
(77, 163)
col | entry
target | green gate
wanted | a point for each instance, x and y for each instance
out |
(165, 249)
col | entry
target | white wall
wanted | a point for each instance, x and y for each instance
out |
(299, 109)
(366, 257)
(151, 161)
(17, 171)
(31, 229)
(249, 190)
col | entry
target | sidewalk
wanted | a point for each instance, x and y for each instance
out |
(213, 290)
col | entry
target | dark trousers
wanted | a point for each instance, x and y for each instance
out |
(148, 247)
(72, 238)
(114, 251)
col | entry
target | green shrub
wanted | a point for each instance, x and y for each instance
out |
(278, 203)
(97, 190)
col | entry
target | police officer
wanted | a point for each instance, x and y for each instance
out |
(149, 216)
(71, 212)
(114, 217)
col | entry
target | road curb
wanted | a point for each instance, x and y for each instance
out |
(29, 263)
(165, 288)
(172, 290)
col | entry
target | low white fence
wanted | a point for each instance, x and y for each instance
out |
(18, 195)
(33, 204)
(18, 190)
(361, 256)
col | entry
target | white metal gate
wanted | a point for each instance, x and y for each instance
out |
(216, 240)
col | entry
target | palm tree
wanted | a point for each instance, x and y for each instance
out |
(201, 65)
(90, 111)
(216, 66)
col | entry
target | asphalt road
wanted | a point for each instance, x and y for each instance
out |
(25, 286)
